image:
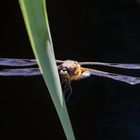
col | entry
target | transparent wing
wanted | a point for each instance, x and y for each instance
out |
(17, 62)
(59, 61)
(20, 72)
(124, 78)
(116, 65)
(20, 62)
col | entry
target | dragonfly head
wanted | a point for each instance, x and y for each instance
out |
(68, 68)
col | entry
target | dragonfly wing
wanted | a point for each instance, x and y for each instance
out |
(59, 61)
(17, 62)
(20, 72)
(20, 62)
(116, 65)
(124, 78)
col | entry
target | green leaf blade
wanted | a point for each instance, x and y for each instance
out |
(36, 21)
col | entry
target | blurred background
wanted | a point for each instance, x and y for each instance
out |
(99, 108)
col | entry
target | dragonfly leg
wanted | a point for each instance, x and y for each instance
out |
(69, 93)
(67, 89)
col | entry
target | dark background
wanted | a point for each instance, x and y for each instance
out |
(100, 108)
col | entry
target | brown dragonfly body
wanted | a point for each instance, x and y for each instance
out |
(69, 70)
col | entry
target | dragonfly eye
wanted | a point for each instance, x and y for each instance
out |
(65, 70)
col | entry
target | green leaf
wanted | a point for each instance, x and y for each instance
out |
(36, 21)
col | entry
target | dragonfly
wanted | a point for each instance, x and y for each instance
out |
(69, 70)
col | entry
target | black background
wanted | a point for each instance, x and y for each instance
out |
(100, 109)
